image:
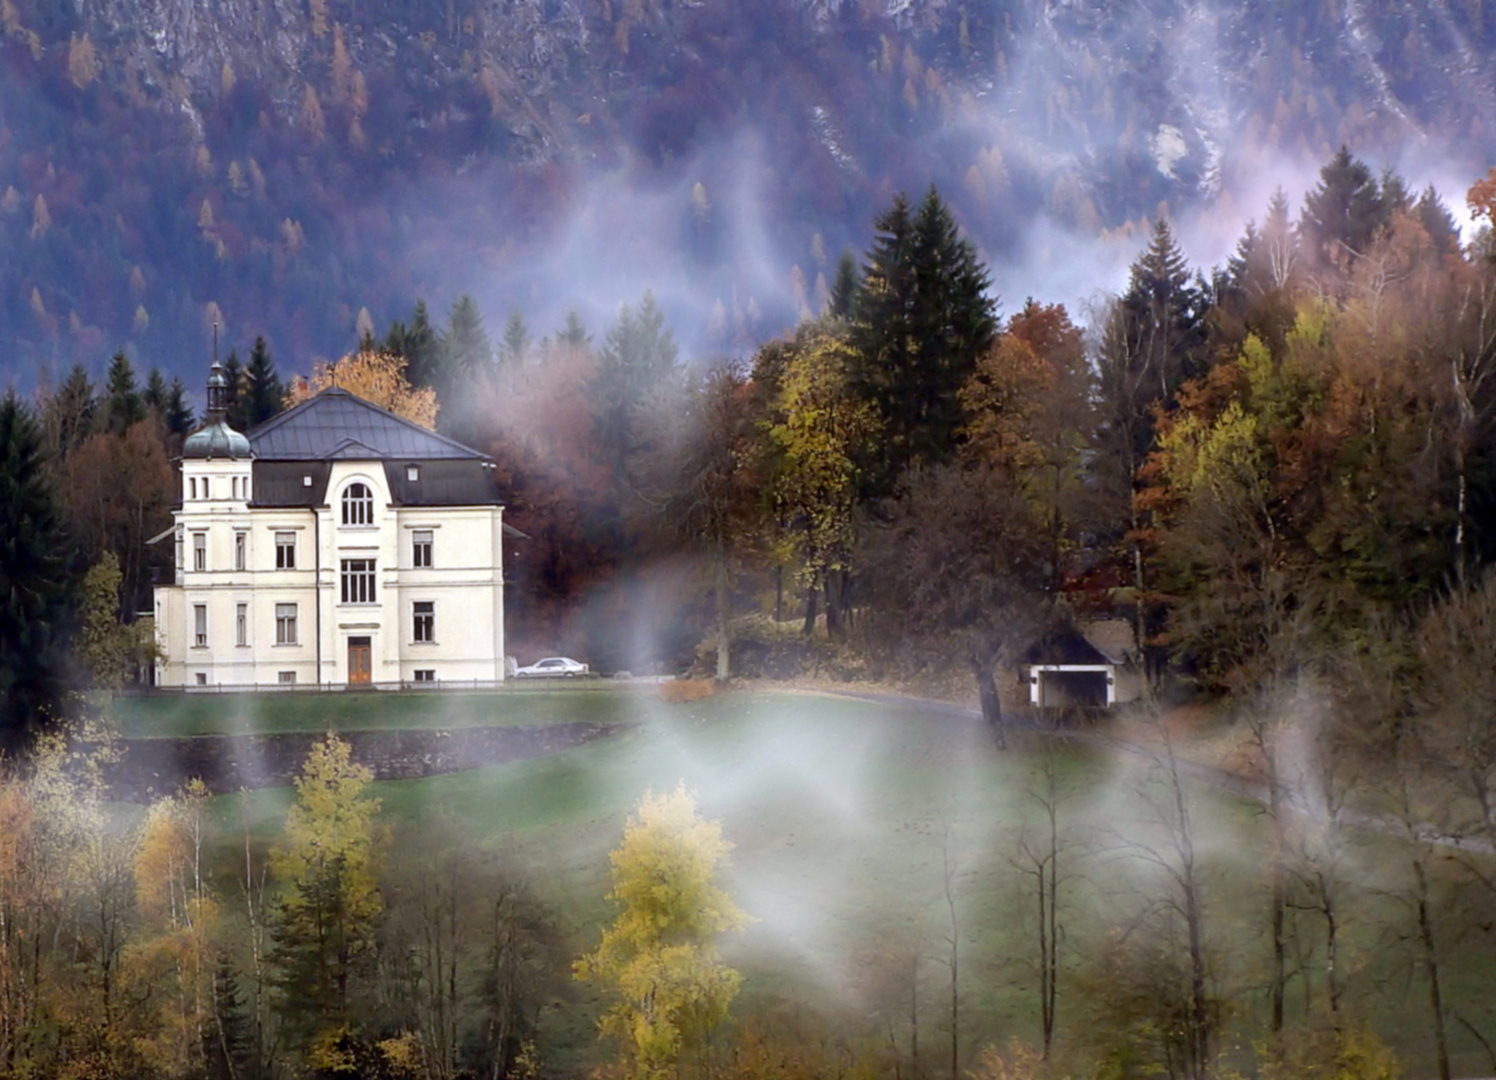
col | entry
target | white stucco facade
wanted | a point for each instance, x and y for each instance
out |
(358, 586)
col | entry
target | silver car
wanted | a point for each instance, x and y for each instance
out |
(553, 666)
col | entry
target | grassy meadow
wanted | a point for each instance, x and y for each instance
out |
(856, 826)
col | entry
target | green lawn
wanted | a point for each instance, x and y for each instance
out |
(845, 816)
(170, 716)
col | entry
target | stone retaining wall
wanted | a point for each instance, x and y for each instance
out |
(151, 768)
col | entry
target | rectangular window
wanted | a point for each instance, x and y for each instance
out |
(192, 486)
(421, 547)
(425, 675)
(241, 624)
(199, 551)
(202, 678)
(285, 551)
(241, 550)
(285, 624)
(286, 678)
(206, 489)
(200, 625)
(358, 581)
(425, 620)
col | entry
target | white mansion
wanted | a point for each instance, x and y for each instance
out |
(335, 544)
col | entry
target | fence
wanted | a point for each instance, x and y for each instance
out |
(510, 685)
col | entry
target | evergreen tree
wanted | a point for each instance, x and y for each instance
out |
(35, 590)
(178, 414)
(920, 321)
(516, 344)
(73, 408)
(1438, 222)
(467, 354)
(844, 287)
(264, 396)
(417, 342)
(574, 333)
(124, 405)
(156, 391)
(228, 1041)
(638, 355)
(238, 400)
(1345, 210)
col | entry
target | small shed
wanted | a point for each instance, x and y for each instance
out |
(1081, 668)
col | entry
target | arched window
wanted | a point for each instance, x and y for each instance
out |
(358, 505)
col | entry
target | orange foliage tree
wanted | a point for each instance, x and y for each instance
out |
(376, 376)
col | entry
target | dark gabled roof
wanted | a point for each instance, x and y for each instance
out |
(337, 425)
(442, 483)
(1064, 648)
(283, 483)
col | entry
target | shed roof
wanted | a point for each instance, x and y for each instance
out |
(1064, 648)
(338, 425)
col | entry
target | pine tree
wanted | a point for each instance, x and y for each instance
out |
(920, 321)
(516, 345)
(264, 395)
(467, 353)
(35, 590)
(1437, 221)
(421, 347)
(1344, 212)
(178, 415)
(844, 287)
(238, 400)
(123, 404)
(156, 391)
(573, 333)
(638, 354)
(71, 411)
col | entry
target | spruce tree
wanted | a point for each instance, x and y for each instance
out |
(573, 333)
(178, 415)
(921, 319)
(1438, 222)
(1345, 210)
(516, 344)
(844, 287)
(421, 349)
(263, 393)
(238, 399)
(467, 353)
(124, 405)
(72, 410)
(638, 354)
(35, 589)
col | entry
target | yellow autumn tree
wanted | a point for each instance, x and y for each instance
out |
(178, 918)
(660, 953)
(327, 872)
(376, 376)
(83, 61)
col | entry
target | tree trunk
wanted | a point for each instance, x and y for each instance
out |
(1431, 963)
(724, 603)
(992, 706)
(812, 596)
(833, 608)
(778, 594)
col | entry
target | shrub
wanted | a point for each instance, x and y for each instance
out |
(680, 691)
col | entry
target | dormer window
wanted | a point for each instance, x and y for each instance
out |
(358, 505)
(412, 473)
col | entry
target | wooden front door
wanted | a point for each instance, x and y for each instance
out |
(358, 660)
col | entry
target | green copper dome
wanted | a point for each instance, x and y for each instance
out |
(216, 438)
